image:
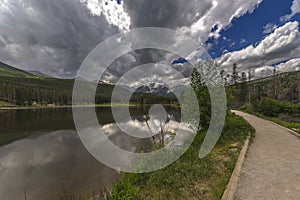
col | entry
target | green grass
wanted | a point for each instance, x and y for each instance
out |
(6, 104)
(291, 125)
(189, 177)
(8, 71)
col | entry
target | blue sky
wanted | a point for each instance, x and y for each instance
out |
(249, 28)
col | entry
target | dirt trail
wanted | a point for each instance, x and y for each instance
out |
(272, 166)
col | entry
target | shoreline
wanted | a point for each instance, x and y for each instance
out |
(67, 106)
(77, 106)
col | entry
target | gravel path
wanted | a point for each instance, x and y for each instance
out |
(272, 166)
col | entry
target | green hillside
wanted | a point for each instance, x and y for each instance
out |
(22, 88)
(8, 71)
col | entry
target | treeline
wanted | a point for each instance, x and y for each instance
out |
(29, 91)
(24, 95)
(44, 91)
(146, 99)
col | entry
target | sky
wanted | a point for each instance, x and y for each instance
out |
(54, 37)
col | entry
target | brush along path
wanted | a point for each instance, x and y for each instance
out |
(272, 166)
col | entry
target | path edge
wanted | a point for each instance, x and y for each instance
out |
(233, 182)
(287, 129)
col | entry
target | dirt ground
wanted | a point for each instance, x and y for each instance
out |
(272, 166)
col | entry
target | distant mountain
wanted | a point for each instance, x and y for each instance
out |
(143, 89)
(159, 89)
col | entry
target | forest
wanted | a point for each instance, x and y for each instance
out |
(24, 89)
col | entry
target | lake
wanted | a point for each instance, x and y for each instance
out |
(42, 156)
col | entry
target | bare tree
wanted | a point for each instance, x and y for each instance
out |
(275, 82)
(250, 76)
(158, 136)
(234, 73)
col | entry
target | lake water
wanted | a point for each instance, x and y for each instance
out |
(47, 157)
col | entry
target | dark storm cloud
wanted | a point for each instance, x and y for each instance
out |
(166, 13)
(145, 56)
(51, 36)
(55, 36)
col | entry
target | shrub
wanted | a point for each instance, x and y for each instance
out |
(268, 107)
(286, 108)
(297, 109)
(245, 108)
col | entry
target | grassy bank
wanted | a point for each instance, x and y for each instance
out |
(189, 177)
(288, 124)
(106, 105)
(5, 104)
(291, 125)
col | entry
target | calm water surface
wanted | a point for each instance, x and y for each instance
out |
(47, 156)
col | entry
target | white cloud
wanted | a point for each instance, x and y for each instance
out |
(282, 44)
(269, 28)
(45, 36)
(289, 66)
(295, 9)
(243, 40)
(220, 15)
(232, 44)
(154, 73)
(225, 51)
(114, 13)
(262, 72)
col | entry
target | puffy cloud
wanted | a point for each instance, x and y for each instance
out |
(289, 66)
(151, 73)
(283, 44)
(194, 18)
(269, 28)
(112, 10)
(49, 35)
(295, 9)
(218, 17)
